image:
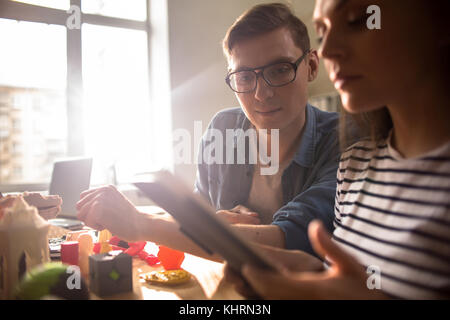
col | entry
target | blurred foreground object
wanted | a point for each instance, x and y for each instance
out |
(23, 243)
(103, 239)
(51, 281)
(48, 206)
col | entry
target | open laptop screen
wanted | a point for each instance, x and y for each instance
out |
(70, 178)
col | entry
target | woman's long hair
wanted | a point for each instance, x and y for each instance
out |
(373, 125)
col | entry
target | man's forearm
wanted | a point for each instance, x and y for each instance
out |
(166, 231)
(264, 234)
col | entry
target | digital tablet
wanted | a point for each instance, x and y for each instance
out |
(198, 221)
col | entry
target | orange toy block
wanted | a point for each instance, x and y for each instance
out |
(170, 259)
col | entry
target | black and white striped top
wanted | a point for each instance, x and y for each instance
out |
(394, 213)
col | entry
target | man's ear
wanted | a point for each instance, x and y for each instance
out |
(313, 65)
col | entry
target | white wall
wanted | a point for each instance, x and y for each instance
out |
(198, 67)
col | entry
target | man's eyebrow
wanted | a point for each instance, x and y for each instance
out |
(277, 60)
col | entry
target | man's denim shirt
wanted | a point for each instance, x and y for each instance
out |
(308, 183)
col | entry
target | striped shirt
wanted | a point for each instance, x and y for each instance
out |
(393, 213)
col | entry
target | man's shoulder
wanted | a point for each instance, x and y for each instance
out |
(229, 118)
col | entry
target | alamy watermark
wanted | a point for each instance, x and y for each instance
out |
(74, 20)
(229, 146)
(374, 279)
(74, 280)
(374, 20)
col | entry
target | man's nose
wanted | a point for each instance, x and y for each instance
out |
(263, 91)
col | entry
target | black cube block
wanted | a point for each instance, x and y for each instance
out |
(110, 273)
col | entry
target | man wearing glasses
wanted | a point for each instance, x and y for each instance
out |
(270, 65)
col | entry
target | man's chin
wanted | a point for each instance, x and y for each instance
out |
(268, 121)
(268, 125)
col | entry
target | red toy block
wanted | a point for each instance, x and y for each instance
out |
(152, 260)
(135, 247)
(97, 247)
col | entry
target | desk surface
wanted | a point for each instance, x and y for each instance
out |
(206, 283)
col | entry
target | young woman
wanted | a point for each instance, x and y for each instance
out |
(392, 213)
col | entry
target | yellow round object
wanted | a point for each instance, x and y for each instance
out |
(167, 277)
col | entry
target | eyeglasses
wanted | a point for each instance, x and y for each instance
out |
(276, 75)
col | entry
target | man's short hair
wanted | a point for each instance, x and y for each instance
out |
(263, 19)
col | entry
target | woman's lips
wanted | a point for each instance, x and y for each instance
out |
(340, 81)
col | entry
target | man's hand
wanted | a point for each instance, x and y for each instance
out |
(287, 260)
(240, 214)
(107, 208)
(48, 206)
(345, 279)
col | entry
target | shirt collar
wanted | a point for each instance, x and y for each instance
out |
(306, 150)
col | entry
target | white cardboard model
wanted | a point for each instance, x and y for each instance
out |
(22, 231)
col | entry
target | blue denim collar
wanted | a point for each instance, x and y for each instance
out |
(306, 150)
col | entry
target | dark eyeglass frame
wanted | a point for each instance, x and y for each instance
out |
(261, 73)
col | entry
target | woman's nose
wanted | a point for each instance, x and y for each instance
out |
(332, 46)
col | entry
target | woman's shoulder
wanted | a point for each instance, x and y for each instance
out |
(367, 147)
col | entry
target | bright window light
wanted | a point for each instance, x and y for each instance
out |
(125, 9)
(55, 4)
(116, 100)
(35, 54)
(33, 120)
(124, 117)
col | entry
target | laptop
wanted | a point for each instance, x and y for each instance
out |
(69, 178)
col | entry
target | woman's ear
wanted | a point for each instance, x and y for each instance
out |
(313, 65)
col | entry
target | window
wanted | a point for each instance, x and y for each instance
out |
(117, 95)
(34, 67)
(68, 92)
(56, 4)
(129, 9)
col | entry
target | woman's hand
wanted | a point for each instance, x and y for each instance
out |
(107, 208)
(287, 260)
(240, 214)
(345, 279)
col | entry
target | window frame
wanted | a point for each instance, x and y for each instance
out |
(74, 104)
